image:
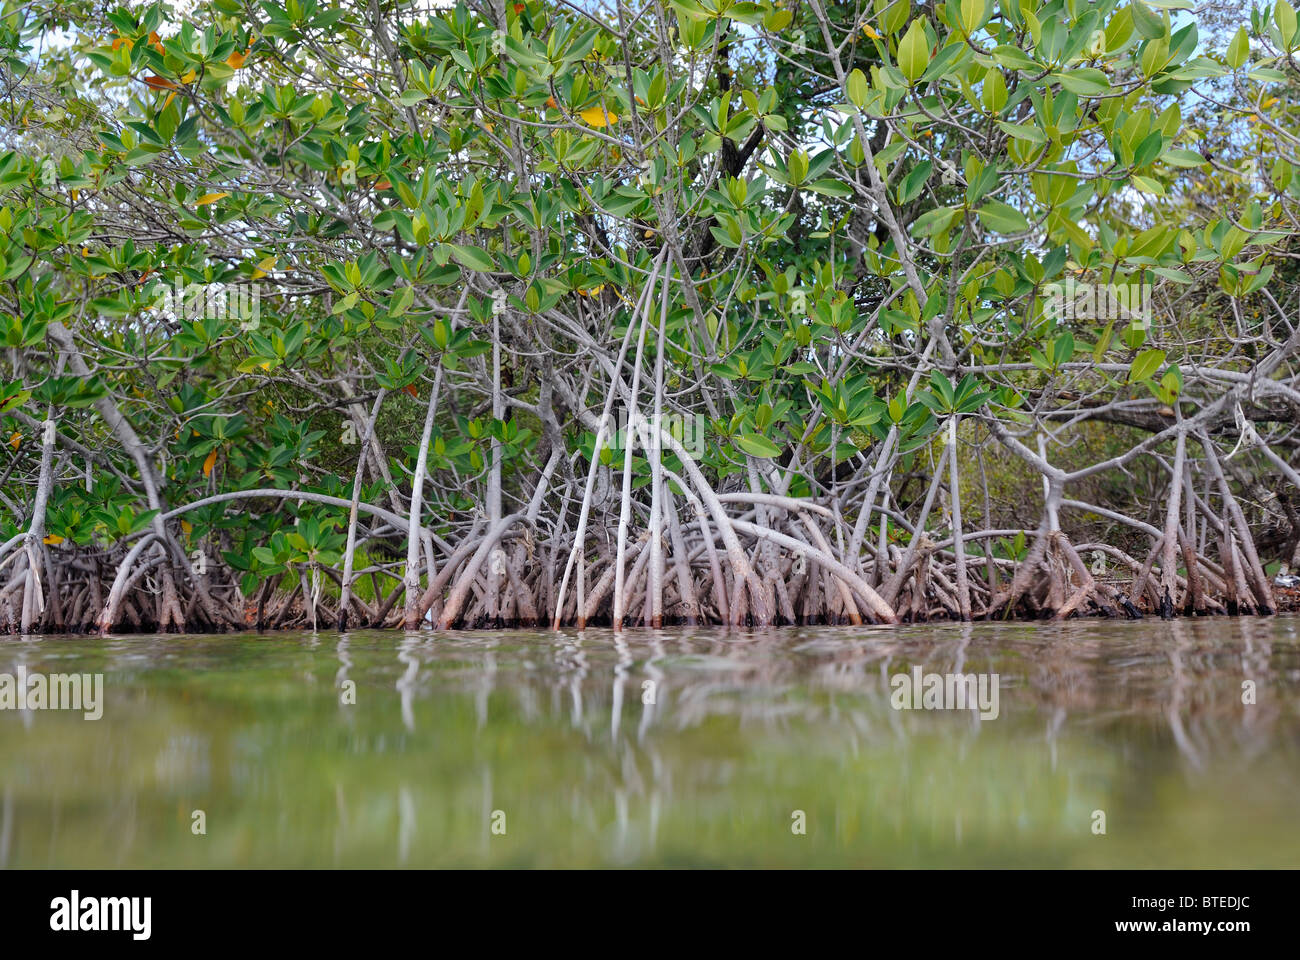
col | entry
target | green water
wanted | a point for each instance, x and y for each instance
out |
(547, 736)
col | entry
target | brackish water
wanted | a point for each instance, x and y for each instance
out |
(547, 736)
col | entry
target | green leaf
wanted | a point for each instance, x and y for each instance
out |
(1014, 58)
(914, 50)
(972, 15)
(831, 188)
(1149, 24)
(1285, 18)
(914, 182)
(974, 401)
(1238, 49)
(1148, 150)
(1177, 276)
(994, 93)
(1086, 81)
(797, 167)
(1180, 157)
(1144, 365)
(1063, 348)
(943, 387)
(1147, 185)
(401, 301)
(1103, 342)
(472, 257)
(1023, 131)
(757, 445)
(859, 90)
(1002, 218)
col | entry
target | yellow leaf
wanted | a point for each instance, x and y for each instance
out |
(598, 117)
(236, 59)
(53, 539)
(207, 198)
(168, 102)
(186, 527)
(870, 32)
(266, 264)
(16, 439)
(189, 77)
(209, 463)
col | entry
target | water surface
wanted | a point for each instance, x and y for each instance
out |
(547, 736)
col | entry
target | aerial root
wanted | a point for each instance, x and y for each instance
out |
(723, 568)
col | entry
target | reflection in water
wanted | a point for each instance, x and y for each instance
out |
(406, 653)
(6, 826)
(345, 664)
(406, 829)
(667, 747)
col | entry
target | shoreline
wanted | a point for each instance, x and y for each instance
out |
(1288, 604)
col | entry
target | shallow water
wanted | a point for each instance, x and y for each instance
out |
(547, 737)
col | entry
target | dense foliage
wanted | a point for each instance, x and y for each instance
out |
(687, 310)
